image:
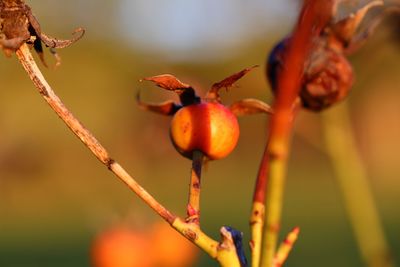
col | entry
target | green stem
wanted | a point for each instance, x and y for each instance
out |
(313, 18)
(353, 181)
(256, 226)
(273, 205)
(224, 252)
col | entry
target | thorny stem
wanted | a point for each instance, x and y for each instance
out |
(314, 16)
(352, 179)
(193, 208)
(224, 252)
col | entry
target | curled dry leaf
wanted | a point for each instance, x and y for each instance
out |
(213, 93)
(168, 82)
(250, 106)
(165, 108)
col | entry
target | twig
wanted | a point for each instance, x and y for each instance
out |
(286, 246)
(27, 61)
(352, 178)
(258, 210)
(314, 16)
(223, 252)
(193, 208)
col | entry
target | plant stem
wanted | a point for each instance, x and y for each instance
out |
(352, 178)
(286, 247)
(258, 210)
(273, 204)
(193, 208)
(314, 16)
(256, 226)
(27, 61)
(223, 252)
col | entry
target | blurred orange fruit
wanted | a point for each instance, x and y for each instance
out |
(121, 246)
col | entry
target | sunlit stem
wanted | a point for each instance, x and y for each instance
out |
(223, 252)
(27, 61)
(352, 178)
(256, 226)
(286, 247)
(193, 208)
(258, 209)
(273, 207)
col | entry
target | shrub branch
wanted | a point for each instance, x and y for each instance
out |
(224, 252)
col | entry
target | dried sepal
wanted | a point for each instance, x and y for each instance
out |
(37, 45)
(165, 108)
(250, 106)
(53, 51)
(360, 38)
(213, 93)
(54, 43)
(51, 42)
(169, 82)
(346, 29)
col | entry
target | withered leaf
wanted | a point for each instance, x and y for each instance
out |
(168, 82)
(250, 106)
(164, 108)
(213, 93)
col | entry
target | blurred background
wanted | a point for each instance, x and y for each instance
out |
(55, 197)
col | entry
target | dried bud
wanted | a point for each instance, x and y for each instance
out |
(327, 79)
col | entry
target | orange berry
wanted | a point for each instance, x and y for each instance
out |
(208, 127)
(121, 247)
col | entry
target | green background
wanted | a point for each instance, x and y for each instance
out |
(55, 196)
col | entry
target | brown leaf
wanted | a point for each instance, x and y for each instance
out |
(213, 93)
(164, 108)
(250, 106)
(168, 82)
